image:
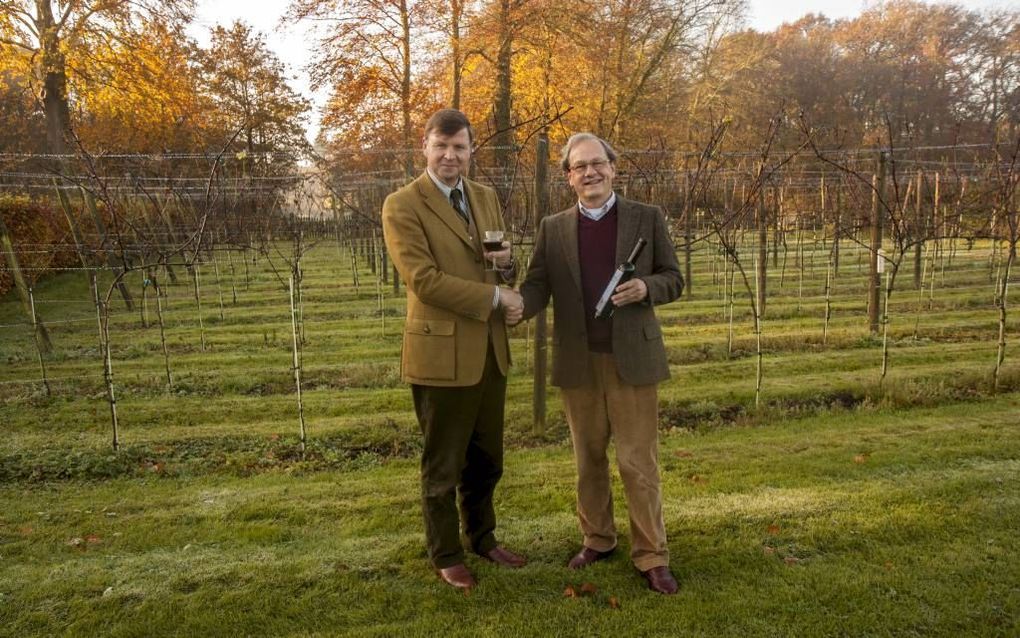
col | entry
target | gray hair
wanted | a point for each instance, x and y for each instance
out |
(583, 137)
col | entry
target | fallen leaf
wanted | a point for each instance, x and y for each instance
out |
(76, 541)
(773, 529)
(888, 565)
(861, 458)
(769, 550)
(25, 531)
(791, 560)
(92, 539)
(107, 591)
(697, 478)
(683, 454)
(588, 588)
(570, 592)
(614, 603)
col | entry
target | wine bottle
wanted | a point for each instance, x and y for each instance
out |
(604, 308)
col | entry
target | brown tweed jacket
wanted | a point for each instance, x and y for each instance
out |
(450, 318)
(555, 271)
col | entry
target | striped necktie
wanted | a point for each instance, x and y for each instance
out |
(457, 200)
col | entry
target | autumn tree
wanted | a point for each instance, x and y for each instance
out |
(143, 92)
(247, 83)
(55, 36)
(367, 57)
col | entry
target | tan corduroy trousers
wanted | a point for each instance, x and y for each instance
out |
(629, 414)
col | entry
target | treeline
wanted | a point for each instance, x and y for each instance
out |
(664, 74)
(122, 76)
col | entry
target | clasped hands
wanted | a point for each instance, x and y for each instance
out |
(512, 304)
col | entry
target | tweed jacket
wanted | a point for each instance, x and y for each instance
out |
(450, 318)
(555, 271)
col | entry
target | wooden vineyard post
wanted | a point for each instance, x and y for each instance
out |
(297, 365)
(38, 343)
(42, 336)
(216, 274)
(103, 318)
(875, 278)
(197, 274)
(162, 334)
(538, 391)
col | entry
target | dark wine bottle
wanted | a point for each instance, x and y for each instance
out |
(604, 308)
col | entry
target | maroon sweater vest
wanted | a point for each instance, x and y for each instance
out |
(596, 248)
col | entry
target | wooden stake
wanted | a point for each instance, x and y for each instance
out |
(103, 318)
(297, 365)
(38, 344)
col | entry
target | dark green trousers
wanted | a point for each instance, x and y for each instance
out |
(463, 430)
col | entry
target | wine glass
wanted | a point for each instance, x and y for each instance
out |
(493, 241)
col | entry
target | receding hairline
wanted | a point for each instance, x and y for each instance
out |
(576, 139)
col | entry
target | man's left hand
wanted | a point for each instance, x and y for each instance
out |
(502, 258)
(632, 291)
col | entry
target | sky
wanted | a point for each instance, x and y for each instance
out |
(292, 44)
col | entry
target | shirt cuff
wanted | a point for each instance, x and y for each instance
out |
(508, 273)
(495, 298)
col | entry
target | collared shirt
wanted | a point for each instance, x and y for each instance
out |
(596, 214)
(446, 190)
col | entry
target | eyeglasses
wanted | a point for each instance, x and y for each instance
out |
(582, 167)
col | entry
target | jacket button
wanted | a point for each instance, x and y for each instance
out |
(427, 330)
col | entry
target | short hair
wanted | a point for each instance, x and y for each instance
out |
(448, 122)
(584, 137)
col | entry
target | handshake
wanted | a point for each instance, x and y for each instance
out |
(512, 304)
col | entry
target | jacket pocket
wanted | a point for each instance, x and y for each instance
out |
(652, 331)
(430, 349)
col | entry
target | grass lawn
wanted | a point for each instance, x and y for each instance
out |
(876, 522)
(841, 506)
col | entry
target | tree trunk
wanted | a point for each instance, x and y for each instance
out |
(502, 106)
(52, 75)
(405, 88)
(456, 9)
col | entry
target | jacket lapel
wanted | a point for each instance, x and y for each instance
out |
(568, 239)
(479, 212)
(627, 225)
(438, 204)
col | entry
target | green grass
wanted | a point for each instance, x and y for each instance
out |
(898, 522)
(840, 506)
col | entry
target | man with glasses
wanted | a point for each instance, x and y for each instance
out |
(455, 353)
(608, 369)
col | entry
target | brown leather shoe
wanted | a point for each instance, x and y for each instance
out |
(503, 556)
(661, 580)
(586, 557)
(457, 576)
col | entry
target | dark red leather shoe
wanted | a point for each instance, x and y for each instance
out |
(661, 580)
(457, 576)
(586, 557)
(503, 556)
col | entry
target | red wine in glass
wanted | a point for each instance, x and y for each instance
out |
(493, 241)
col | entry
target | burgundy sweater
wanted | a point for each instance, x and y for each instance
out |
(596, 248)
